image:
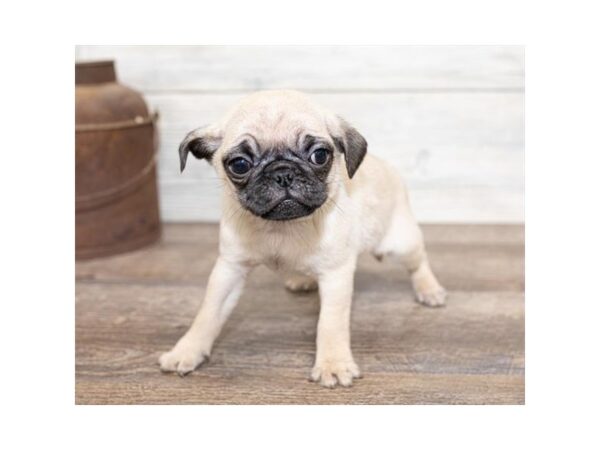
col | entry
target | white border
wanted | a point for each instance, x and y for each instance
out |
(562, 223)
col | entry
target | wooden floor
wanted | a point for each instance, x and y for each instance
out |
(133, 307)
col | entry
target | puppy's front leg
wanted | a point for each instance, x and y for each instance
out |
(334, 362)
(224, 288)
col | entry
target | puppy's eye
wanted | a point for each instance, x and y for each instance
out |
(319, 157)
(239, 166)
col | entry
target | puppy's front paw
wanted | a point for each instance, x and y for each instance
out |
(332, 372)
(183, 358)
(301, 283)
(433, 298)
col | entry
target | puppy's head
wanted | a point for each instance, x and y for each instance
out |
(281, 155)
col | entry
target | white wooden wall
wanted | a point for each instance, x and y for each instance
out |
(451, 119)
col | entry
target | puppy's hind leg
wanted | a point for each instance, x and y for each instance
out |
(301, 283)
(405, 239)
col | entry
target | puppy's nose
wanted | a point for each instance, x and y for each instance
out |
(283, 177)
(282, 173)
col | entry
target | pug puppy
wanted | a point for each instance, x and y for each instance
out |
(302, 196)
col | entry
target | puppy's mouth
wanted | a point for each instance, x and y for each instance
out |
(288, 209)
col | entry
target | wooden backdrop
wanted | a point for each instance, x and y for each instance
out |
(451, 119)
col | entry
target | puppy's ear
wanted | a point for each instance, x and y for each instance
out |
(351, 143)
(201, 142)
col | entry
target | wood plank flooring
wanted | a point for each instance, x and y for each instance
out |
(130, 308)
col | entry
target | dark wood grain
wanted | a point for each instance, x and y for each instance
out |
(132, 307)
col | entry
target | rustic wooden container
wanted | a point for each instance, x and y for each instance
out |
(115, 171)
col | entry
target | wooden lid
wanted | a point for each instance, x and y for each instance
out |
(93, 72)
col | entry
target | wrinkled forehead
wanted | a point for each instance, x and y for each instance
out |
(271, 127)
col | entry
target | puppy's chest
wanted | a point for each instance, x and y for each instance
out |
(286, 252)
